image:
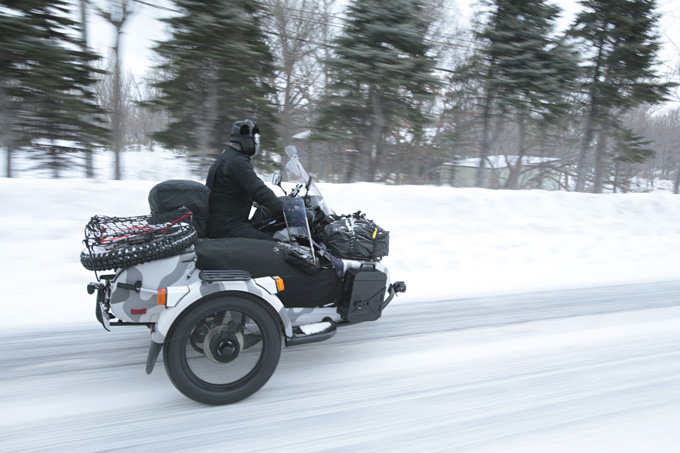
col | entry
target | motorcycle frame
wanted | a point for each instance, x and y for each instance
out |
(132, 296)
(159, 292)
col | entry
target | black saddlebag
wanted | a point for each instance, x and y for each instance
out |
(261, 258)
(363, 293)
(356, 238)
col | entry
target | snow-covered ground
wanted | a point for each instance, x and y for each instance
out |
(591, 369)
(586, 371)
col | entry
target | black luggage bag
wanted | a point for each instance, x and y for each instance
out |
(178, 193)
(363, 294)
(356, 238)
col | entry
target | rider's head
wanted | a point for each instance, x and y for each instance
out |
(245, 136)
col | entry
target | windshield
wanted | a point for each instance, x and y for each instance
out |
(298, 175)
(294, 170)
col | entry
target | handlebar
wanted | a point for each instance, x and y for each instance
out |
(295, 191)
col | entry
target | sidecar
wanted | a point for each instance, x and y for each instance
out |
(221, 309)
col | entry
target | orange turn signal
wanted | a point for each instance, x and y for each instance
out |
(279, 284)
(162, 296)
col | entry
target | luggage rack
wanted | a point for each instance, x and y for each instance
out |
(212, 276)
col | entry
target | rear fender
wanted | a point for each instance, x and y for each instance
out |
(134, 290)
(199, 291)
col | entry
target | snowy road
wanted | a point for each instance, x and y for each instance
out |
(581, 370)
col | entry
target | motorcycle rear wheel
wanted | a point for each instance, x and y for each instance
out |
(223, 350)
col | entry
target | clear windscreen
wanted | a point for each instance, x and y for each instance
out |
(297, 174)
(294, 170)
(296, 219)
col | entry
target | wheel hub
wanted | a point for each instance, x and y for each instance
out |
(223, 344)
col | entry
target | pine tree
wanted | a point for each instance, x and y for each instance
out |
(620, 41)
(216, 69)
(521, 71)
(379, 73)
(46, 102)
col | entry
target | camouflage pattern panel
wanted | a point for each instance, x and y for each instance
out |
(199, 289)
(131, 305)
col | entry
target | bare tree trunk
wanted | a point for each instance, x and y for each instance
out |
(89, 164)
(515, 170)
(582, 164)
(207, 122)
(484, 151)
(600, 162)
(120, 11)
(375, 141)
(676, 186)
(8, 168)
(117, 109)
(617, 170)
(9, 147)
(350, 167)
(6, 128)
(286, 117)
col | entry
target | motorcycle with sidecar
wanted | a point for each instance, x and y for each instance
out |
(221, 310)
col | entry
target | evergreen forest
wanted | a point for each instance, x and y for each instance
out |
(390, 91)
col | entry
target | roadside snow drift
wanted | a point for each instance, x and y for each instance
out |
(444, 242)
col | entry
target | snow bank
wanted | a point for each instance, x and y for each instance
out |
(445, 242)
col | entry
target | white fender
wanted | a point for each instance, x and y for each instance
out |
(198, 290)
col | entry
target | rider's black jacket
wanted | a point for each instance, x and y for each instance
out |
(233, 188)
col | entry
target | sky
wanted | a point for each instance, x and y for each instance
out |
(143, 28)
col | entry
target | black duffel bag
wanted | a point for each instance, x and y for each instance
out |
(357, 238)
(177, 193)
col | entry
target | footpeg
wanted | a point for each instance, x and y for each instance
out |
(312, 333)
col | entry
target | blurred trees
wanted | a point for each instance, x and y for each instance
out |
(380, 75)
(662, 130)
(46, 102)
(117, 16)
(521, 74)
(215, 67)
(298, 34)
(371, 90)
(138, 121)
(620, 45)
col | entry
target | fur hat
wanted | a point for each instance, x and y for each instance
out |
(247, 135)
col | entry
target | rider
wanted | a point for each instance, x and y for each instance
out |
(234, 186)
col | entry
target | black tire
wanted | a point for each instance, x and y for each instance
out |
(131, 255)
(234, 359)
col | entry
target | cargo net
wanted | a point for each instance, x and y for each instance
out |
(117, 242)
